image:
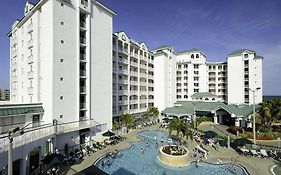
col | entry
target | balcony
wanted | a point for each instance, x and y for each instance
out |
(123, 71)
(30, 28)
(125, 91)
(143, 66)
(30, 90)
(150, 76)
(143, 83)
(83, 25)
(134, 101)
(15, 52)
(84, 4)
(83, 89)
(135, 55)
(134, 63)
(150, 100)
(133, 82)
(83, 41)
(142, 74)
(123, 102)
(143, 100)
(30, 43)
(30, 59)
(123, 81)
(83, 74)
(123, 51)
(134, 73)
(133, 92)
(83, 106)
(30, 74)
(82, 57)
(122, 60)
(150, 84)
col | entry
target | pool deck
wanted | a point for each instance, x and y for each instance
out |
(254, 165)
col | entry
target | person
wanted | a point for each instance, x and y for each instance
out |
(162, 139)
(142, 150)
(156, 145)
(147, 144)
(108, 163)
(102, 163)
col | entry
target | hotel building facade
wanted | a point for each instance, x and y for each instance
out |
(133, 76)
(179, 75)
(61, 59)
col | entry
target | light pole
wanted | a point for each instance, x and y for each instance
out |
(194, 116)
(254, 112)
(12, 133)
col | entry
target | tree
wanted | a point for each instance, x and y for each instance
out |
(115, 125)
(153, 112)
(126, 119)
(269, 111)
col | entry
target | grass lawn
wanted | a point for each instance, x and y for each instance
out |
(277, 170)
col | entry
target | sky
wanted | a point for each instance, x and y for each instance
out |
(217, 27)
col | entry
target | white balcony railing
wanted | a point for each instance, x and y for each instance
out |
(134, 73)
(30, 90)
(123, 81)
(82, 57)
(30, 58)
(134, 63)
(83, 73)
(83, 89)
(30, 28)
(133, 82)
(30, 43)
(30, 74)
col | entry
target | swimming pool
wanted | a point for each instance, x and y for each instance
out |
(133, 161)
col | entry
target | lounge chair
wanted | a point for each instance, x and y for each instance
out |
(254, 152)
(263, 153)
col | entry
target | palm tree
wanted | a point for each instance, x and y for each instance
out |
(126, 119)
(153, 112)
(270, 111)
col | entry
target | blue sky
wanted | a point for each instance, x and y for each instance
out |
(217, 27)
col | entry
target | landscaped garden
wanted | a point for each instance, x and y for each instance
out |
(268, 122)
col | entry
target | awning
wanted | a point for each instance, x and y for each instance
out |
(5, 112)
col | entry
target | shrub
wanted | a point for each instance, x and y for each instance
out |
(234, 129)
(199, 120)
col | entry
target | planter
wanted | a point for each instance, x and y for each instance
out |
(173, 158)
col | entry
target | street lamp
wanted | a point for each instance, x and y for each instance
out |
(254, 111)
(12, 133)
(194, 116)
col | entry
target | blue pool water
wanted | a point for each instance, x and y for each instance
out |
(134, 162)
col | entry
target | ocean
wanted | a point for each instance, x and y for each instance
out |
(268, 97)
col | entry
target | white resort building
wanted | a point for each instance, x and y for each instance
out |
(178, 75)
(60, 57)
(133, 76)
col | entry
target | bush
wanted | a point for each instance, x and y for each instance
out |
(234, 129)
(263, 129)
(199, 120)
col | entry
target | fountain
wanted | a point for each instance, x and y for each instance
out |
(173, 155)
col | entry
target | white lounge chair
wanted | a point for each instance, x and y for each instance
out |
(264, 153)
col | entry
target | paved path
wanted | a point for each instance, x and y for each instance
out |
(255, 166)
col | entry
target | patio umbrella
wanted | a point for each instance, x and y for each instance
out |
(108, 134)
(53, 158)
(210, 134)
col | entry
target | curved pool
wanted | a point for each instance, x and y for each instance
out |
(134, 161)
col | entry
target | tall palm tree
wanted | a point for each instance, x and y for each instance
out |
(126, 119)
(153, 112)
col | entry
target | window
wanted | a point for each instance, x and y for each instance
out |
(62, 41)
(185, 78)
(61, 116)
(196, 90)
(178, 96)
(62, 4)
(196, 84)
(185, 84)
(196, 66)
(179, 66)
(61, 60)
(196, 78)
(185, 90)
(192, 56)
(196, 72)
(197, 55)
(185, 66)
(61, 78)
(185, 72)
(246, 55)
(61, 97)
(62, 23)
(185, 96)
